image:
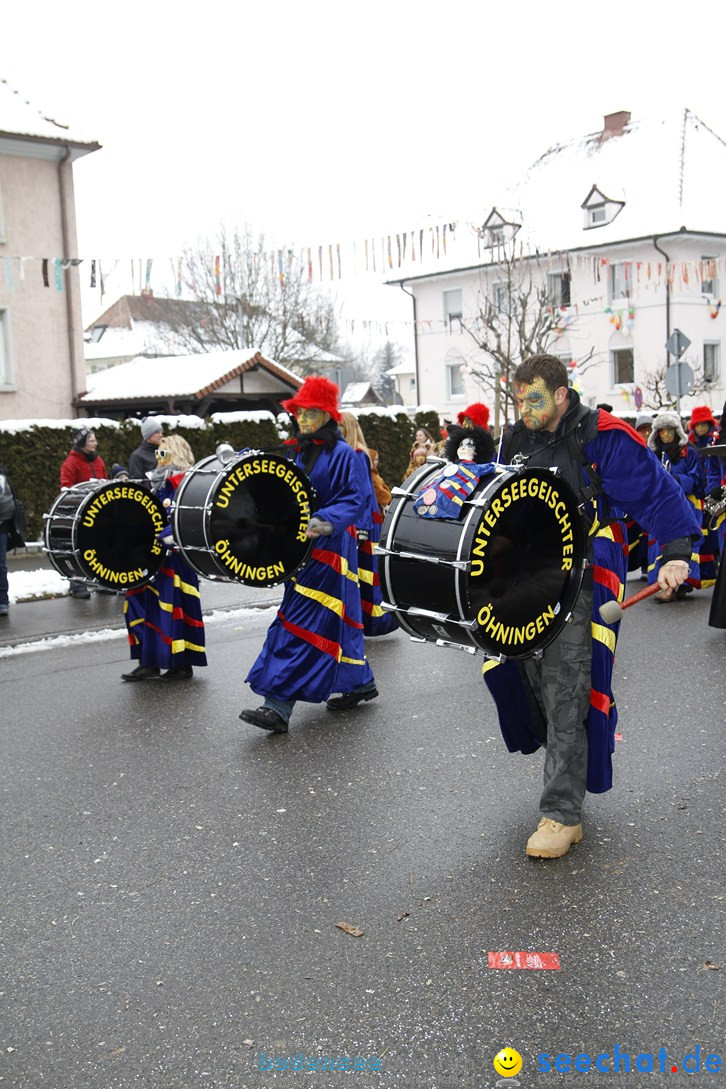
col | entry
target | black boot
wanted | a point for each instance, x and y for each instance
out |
(141, 673)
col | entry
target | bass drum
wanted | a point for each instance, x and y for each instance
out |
(107, 532)
(502, 577)
(244, 521)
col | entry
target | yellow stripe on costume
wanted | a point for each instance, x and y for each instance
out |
(179, 645)
(489, 665)
(326, 600)
(604, 635)
(351, 661)
(366, 576)
(186, 587)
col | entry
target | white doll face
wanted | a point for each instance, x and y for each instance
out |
(465, 451)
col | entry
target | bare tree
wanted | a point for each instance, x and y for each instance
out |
(657, 397)
(253, 296)
(518, 315)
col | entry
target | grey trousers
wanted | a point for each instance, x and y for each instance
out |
(561, 681)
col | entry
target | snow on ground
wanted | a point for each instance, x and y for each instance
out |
(28, 585)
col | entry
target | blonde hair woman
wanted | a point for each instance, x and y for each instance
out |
(352, 433)
(180, 450)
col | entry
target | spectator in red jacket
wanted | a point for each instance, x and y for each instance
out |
(82, 463)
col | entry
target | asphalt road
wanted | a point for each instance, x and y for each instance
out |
(172, 878)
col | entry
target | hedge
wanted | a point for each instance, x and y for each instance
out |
(32, 454)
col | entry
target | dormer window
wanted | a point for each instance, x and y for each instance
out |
(600, 209)
(496, 230)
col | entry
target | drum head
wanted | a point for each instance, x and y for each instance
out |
(108, 533)
(256, 515)
(527, 550)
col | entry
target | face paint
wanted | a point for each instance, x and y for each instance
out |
(466, 422)
(311, 419)
(667, 435)
(537, 405)
(466, 451)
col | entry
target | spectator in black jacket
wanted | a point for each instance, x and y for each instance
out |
(143, 459)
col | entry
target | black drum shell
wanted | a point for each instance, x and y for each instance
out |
(521, 567)
(106, 532)
(261, 516)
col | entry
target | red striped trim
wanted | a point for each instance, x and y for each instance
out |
(606, 578)
(331, 558)
(600, 701)
(352, 532)
(377, 518)
(617, 531)
(327, 646)
(179, 614)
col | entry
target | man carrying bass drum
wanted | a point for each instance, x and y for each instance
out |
(563, 699)
(314, 646)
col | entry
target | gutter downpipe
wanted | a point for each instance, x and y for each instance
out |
(415, 342)
(66, 257)
(668, 295)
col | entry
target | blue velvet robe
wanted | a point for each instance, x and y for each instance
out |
(314, 646)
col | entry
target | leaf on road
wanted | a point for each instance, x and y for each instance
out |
(347, 928)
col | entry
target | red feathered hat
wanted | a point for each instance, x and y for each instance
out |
(702, 415)
(315, 392)
(477, 413)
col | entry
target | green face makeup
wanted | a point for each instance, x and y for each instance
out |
(536, 404)
(310, 419)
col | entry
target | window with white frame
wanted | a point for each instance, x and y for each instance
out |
(453, 310)
(454, 380)
(502, 296)
(709, 275)
(620, 281)
(6, 367)
(622, 365)
(558, 288)
(711, 360)
(2, 225)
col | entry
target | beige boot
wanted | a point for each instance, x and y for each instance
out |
(552, 839)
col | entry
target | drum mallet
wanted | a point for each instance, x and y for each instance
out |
(612, 611)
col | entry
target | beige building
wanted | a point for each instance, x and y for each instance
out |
(42, 368)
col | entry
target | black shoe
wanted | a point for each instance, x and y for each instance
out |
(178, 673)
(141, 673)
(350, 699)
(4, 610)
(266, 719)
(81, 592)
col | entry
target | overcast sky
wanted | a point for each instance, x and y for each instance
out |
(326, 121)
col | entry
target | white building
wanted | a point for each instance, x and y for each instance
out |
(624, 231)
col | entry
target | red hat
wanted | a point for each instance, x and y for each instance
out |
(702, 415)
(315, 392)
(477, 413)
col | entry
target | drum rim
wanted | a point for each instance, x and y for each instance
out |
(91, 488)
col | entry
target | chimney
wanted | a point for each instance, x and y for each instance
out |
(614, 124)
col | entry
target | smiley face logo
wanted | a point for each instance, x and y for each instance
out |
(508, 1062)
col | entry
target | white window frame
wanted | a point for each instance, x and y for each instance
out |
(502, 293)
(7, 372)
(623, 281)
(555, 282)
(709, 286)
(615, 379)
(716, 345)
(453, 313)
(453, 371)
(2, 222)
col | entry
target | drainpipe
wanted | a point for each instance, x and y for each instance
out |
(668, 296)
(415, 343)
(70, 321)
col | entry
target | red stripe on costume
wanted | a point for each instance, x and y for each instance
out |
(327, 646)
(606, 578)
(179, 614)
(351, 530)
(600, 701)
(606, 422)
(331, 558)
(352, 623)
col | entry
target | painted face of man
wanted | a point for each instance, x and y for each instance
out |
(466, 451)
(667, 435)
(538, 406)
(467, 422)
(311, 419)
(701, 429)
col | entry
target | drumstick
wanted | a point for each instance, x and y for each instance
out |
(612, 611)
